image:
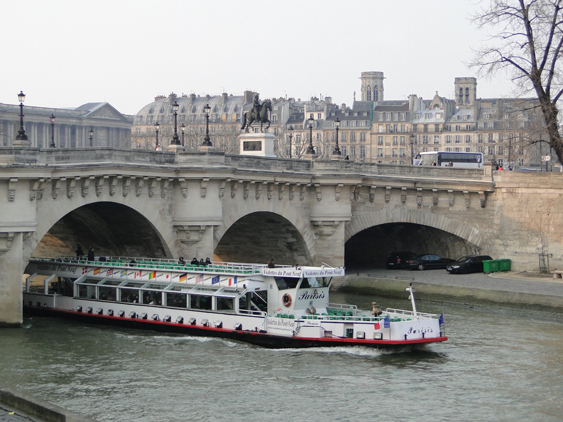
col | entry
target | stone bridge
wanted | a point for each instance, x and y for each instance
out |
(240, 208)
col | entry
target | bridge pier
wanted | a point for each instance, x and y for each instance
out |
(330, 243)
(11, 265)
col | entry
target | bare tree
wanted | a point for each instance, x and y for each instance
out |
(527, 42)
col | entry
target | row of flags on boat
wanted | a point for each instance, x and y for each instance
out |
(158, 276)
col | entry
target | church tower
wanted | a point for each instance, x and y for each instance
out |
(465, 91)
(372, 86)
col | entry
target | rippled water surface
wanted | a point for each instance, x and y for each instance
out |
(497, 365)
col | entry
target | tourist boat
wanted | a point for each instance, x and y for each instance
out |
(280, 307)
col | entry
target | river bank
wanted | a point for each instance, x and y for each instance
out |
(510, 289)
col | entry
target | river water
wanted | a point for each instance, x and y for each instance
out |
(499, 364)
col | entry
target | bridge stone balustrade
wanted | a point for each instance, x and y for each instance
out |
(131, 202)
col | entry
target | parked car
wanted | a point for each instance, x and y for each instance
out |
(428, 261)
(397, 260)
(468, 264)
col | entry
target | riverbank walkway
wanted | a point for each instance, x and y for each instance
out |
(530, 290)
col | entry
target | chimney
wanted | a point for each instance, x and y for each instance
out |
(248, 96)
(159, 97)
(225, 96)
(172, 97)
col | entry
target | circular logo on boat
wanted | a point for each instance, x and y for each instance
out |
(286, 299)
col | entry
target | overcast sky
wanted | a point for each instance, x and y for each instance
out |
(67, 53)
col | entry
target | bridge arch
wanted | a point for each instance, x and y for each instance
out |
(112, 227)
(370, 237)
(263, 232)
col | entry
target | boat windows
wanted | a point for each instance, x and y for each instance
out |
(107, 293)
(176, 300)
(225, 304)
(201, 302)
(110, 282)
(152, 297)
(313, 282)
(86, 292)
(130, 295)
(285, 283)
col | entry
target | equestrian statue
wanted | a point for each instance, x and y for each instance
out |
(259, 113)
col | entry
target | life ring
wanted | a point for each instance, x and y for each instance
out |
(286, 300)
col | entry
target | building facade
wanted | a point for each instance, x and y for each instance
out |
(70, 128)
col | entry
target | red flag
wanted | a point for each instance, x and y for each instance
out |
(376, 326)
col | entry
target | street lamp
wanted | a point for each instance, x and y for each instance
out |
(183, 127)
(156, 129)
(412, 139)
(310, 149)
(91, 133)
(21, 133)
(52, 131)
(290, 138)
(206, 141)
(175, 140)
(337, 149)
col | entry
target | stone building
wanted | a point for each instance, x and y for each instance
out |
(71, 126)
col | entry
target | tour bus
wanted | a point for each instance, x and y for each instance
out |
(455, 159)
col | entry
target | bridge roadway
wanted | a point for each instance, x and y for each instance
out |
(248, 209)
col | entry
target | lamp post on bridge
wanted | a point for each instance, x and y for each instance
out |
(22, 137)
(175, 139)
(412, 139)
(206, 141)
(310, 149)
(337, 149)
(156, 130)
(52, 145)
(290, 138)
(183, 127)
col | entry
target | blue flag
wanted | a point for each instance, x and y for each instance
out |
(215, 280)
(386, 322)
(441, 320)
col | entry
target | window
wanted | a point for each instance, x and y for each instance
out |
(368, 93)
(380, 128)
(448, 139)
(425, 139)
(479, 138)
(352, 150)
(467, 139)
(436, 128)
(362, 151)
(343, 150)
(500, 150)
(438, 115)
(457, 128)
(436, 139)
(344, 138)
(491, 150)
(318, 136)
(467, 149)
(319, 116)
(491, 138)
(380, 140)
(395, 140)
(402, 140)
(352, 136)
(362, 136)
(380, 152)
(401, 152)
(500, 137)
(458, 139)
(394, 153)
(403, 129)
(467, 127)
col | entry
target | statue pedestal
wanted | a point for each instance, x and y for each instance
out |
(257, 144)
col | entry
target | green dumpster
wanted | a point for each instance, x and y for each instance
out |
(490, 266)
(503, 264)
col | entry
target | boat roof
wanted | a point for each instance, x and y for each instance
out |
(221, 268)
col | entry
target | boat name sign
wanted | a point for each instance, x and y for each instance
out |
(297, 273)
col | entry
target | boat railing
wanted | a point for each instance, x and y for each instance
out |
(157, 264)
(411, 314)
(252, 312)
